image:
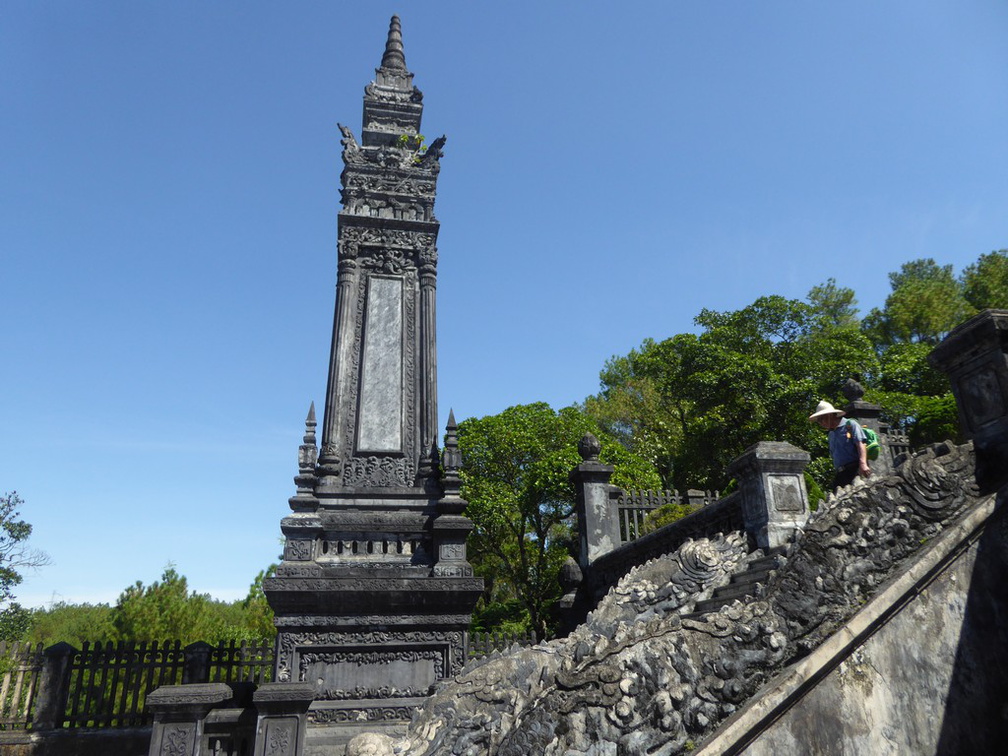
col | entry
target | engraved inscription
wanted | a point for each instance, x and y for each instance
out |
(380, 415)
(786, 493)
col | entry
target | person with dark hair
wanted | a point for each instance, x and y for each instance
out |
(847, 443)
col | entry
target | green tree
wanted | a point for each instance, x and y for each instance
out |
(73, 624)
(164, 610)
(257, 615)
(515, 478)
(985, 282)
(834, 305)
(168, 610)
(926, 302)
(751, 375)
(640, 403)
(16, 556)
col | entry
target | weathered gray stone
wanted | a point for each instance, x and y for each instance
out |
(374, 595)
(775, 503)
(975, 356)
(598, 524)
(662, 681)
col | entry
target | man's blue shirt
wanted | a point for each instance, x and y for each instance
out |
(842, 446)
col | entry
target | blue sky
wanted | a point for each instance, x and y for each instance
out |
(169, 177)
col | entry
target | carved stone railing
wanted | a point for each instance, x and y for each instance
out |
(721, 516)
(770, 505)
(633, 507)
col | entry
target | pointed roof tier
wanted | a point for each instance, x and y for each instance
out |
(394, 56)
(392, 105)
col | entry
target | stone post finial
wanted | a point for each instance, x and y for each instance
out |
(308, 455)
(589, 448)
(852, 389)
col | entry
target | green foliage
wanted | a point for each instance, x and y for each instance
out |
(692, 403)
(15, 622)
(834, 306)
(985, 282)
(927, 301)
(508, 616)
(257, 616)
(415, 143)
(163, 610)
(937, 420)
(664, 515)
(15, 557)
(814, 490)
(73, 624)
(515, 478)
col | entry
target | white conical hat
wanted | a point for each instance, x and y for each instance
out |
(824, 408)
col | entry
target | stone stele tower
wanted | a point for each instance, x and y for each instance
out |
(374, 595)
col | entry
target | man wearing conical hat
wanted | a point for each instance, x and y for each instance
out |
(846, 443)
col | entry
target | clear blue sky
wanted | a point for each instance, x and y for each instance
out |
(169, 186)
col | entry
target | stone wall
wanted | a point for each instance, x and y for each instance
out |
(922, 669)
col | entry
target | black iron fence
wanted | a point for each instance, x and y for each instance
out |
(106, 684)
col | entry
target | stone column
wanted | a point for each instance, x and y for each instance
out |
(180, 713)
(54, 687)
(774, 500)
(428, 364)
(342, 342)
(975, 358)
(598, 520)
(282, 718)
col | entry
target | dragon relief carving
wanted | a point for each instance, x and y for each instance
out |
(648, 679)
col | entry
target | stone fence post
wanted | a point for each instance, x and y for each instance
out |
(771, 482)
(696, 499)
(598, 521)
(54, 687)
(975, 358)
(180, 713)
(282, 718)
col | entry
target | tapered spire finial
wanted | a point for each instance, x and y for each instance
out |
(394, 56)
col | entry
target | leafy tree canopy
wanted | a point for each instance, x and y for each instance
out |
(16, 555)
(927, 301)
(985, 282)
(515, 478)
(164, 610)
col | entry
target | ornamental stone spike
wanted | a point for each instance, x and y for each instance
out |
(304, 500)
(451, 458)
(394, 56)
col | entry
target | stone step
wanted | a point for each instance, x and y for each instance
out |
(769, 562)
(741, 585)
(750, 576)
(729, 593)
(706, 607)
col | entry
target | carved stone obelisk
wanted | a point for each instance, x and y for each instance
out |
(374, 595)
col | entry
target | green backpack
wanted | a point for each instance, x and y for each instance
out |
(871, 443)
